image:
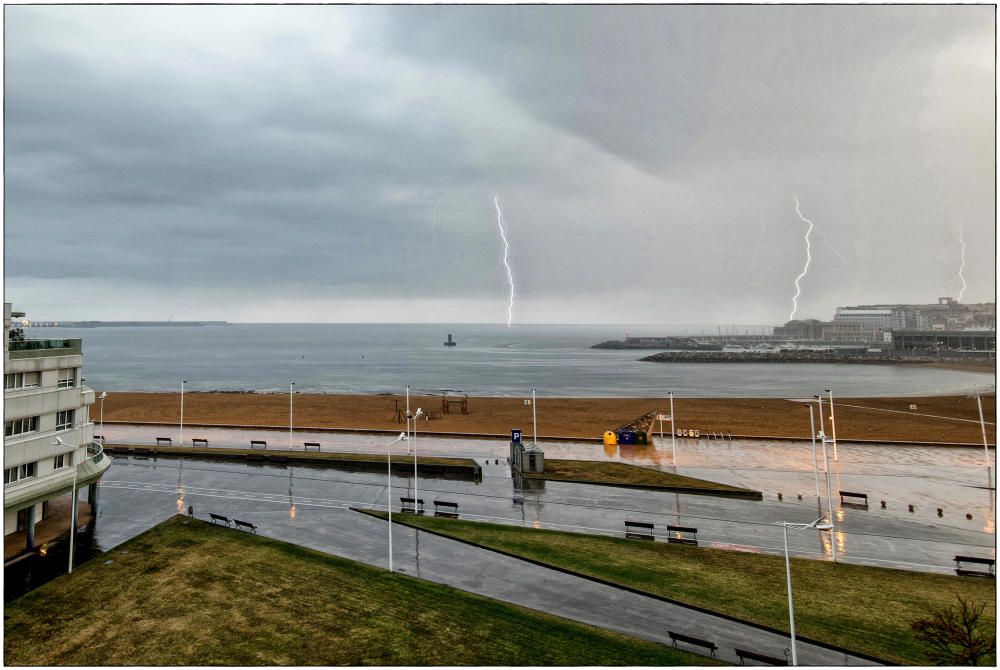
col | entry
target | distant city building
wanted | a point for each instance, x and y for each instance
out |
(44, 399)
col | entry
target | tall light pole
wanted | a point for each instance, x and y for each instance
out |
(673, 429)
(833, 426)
(408, 417)
(104, 394)
(812, 433)
(388, 459)
(72, 516)
(291, 394)
(413, 443)
(534, 417)
(829, 497)
(180, 439)
(822, 428)
(982, 426)
(788, 574)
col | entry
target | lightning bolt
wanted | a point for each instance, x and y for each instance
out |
(826, 241)
(805, 270)
(506, 247)
(961, 269)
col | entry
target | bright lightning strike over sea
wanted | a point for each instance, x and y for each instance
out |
(506, 247)
(805, 270)
(961, 268)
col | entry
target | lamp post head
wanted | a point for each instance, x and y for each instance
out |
(104, 394)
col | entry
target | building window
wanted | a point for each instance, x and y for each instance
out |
(17, 473)
(67, 379)
(28, 424)
(62, 460)
(23, 516)
(20, 380)
(64, 419)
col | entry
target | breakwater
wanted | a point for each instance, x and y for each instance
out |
(788, 357)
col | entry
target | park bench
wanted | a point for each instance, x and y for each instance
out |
(680, 535)
(761, 658)
(245, 524)
(679, 637)
(452, 508)
(258, 443)
(163, 440)
(199, 441)
(408, 505)
(639, 530)
(858, 496)
(988, 562)
(309, 445)
(219, 517)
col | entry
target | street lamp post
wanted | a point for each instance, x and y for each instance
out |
(788, 574)
(833, 427)
(673, 429)
(104, 394)
(829, 497)
(180, 438)
(388, 458)
(534, 418)
(72, 516)
(408, 416)
(982, 426)
(413, 443)
(291, 394)
(812, 432)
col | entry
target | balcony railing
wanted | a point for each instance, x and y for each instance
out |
(39, 348)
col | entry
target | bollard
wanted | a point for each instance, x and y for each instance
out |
(883, 504)
(911, 508)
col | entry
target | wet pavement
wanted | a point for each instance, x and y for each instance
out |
(308, 505)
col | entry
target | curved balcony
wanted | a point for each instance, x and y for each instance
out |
(87, 472)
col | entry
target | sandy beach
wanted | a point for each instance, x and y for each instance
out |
(936, 419)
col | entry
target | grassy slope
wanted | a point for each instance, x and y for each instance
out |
(622, 473)
(188, 593)
(861, 608)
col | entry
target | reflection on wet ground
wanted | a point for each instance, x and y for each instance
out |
(954, 479)
(140, 491)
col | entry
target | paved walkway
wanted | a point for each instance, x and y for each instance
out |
(55, 525)
(304, 512)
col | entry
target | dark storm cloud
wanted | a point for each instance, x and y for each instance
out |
(645, 156)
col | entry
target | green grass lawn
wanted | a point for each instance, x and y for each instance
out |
(189, 593)
(607, 472)
(861, 608)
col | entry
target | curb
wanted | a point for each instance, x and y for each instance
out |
(630, 589)
(555, 438)
(744, 495)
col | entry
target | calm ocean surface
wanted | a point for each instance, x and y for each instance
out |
(489, 360)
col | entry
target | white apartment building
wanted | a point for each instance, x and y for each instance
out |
(44, 399)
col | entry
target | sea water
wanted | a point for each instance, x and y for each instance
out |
(489, 360)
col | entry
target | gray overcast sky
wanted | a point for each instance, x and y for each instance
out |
(339, 163)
